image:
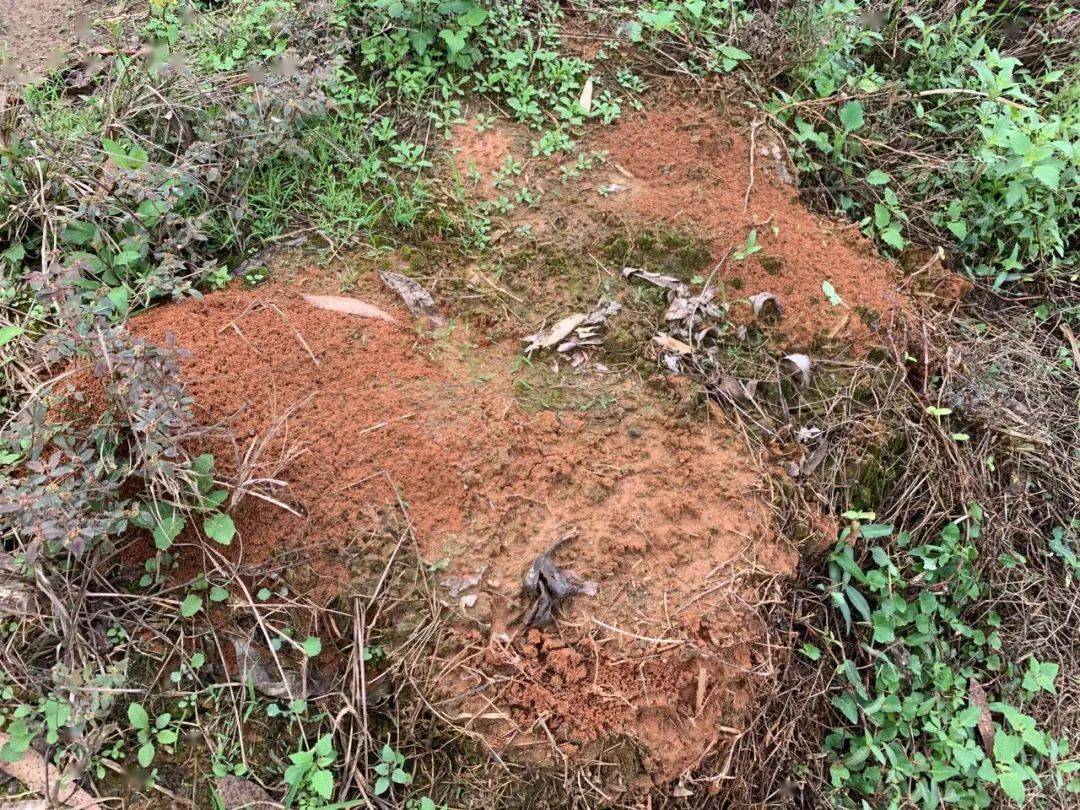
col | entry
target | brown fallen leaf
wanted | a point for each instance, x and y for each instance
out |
(350, 306)
(240, 794)
(418, 300)
(670, 344)
(977, 696)
(32, 770)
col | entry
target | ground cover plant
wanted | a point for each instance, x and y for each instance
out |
(925, 655)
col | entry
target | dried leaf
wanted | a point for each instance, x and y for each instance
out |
(39, 777)
(667, 282)
(240, 794)
(584, 329)
(459, 584)
(768, 303)
(556, 334)
(585, 102)
(416, 299)
(805, 434)
(977, 696)
(683, 307)
(15, 592)
(350, 306)
(802, 365)
(249, 660)
(670, 344)
(736, 391)
(551, 586)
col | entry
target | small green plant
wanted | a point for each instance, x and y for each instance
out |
(749, 249)
(309, 777)
(390, 770)
(919, 726)
(161, 732)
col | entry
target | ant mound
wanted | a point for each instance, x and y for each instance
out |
(688, 166)
(600, 572)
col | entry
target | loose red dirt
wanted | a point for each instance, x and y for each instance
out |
(670, 525)
(688, 167)
(670, 522)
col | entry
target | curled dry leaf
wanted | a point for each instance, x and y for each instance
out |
(736, 391)
(667, 282)
(31, 770)
(459, 584)
(350, 306)
(767, 303)
(416, 299)
(802, 364)
(553, 336)
(551, 586)
(574, 331)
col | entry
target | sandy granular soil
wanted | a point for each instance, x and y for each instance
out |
(669, 521)
(687, 167)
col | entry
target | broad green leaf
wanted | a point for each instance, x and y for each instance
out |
(118, 297)
(892, 238)
(878, 178)
(455, 40)
(146, 754)
(958, 228)
(322, 782)
(219, 527)
(167, 529)
(851, 116)
(734, 53)
(1012, 784)
(9, 333)
(858, 601)
(137, 716)
(1006, 747)
(846, 704)
(312, 646)
(874, 531)
(191, 605)
(1049, 174)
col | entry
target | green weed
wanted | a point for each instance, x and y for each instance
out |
(918, 726)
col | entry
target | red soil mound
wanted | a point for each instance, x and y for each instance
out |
(669, 523)
(687, 167)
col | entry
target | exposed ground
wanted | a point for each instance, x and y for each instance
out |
(760, 518)
(668, 508)
(36, 34)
